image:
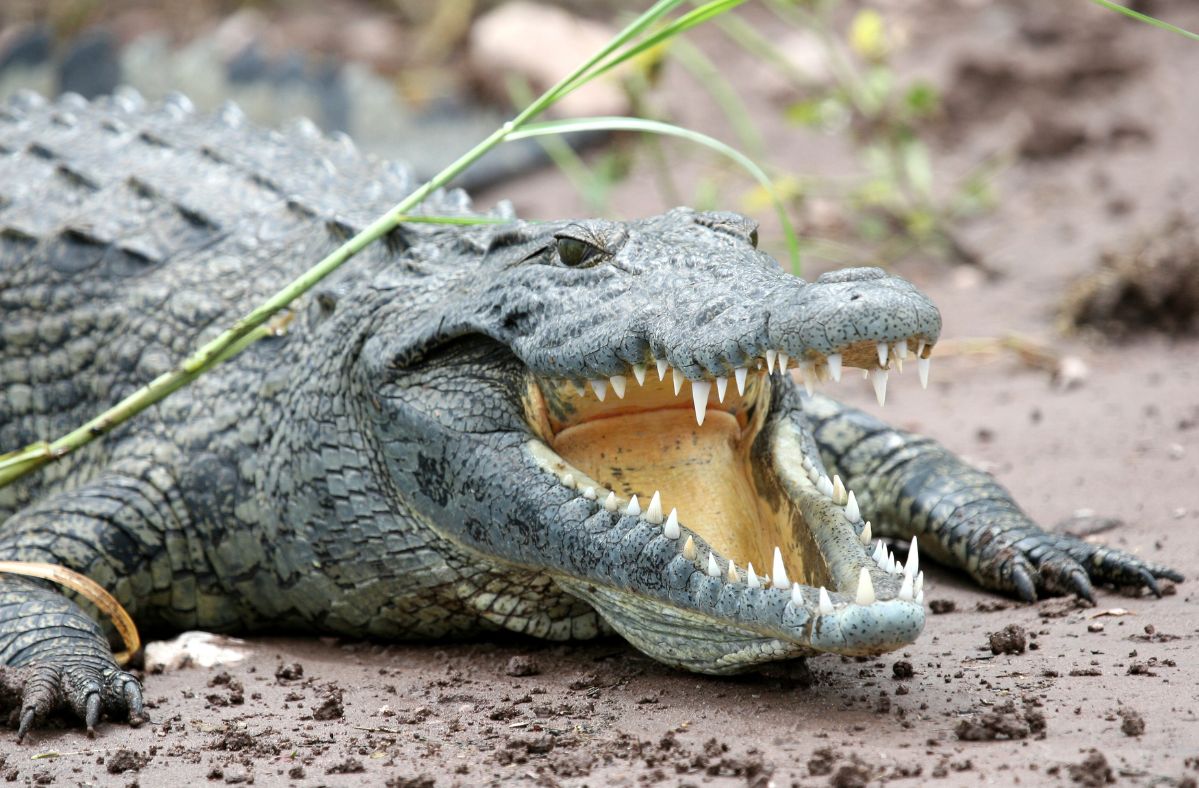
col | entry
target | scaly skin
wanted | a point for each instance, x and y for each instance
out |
(386, 468)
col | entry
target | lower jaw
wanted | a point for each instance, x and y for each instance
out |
(767, 480)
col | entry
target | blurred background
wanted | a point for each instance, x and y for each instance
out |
(894, 130)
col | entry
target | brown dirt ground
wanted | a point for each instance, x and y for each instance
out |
(1092, 699)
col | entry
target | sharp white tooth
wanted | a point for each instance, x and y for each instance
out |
(784, 360)
(851, 508)
(814, 475)
(901, 350)
(634, 508)
(890, 565)
(568, 480)
(589, 493)
(600, 387)
(834, 367)
(806, 462)
(778, 571)
(688, 546)
(618, 384)
(913, 565)
(733, 576)
(671, 529)
(654, 513)
(722, 385)
(920, 598)
(866, 535)
(610, 502)
(882, 354)
(865, 588)
(919, 582)
(807, 370)
(752, 579)
(920, 348)
(580, 388)
(898, 364)
(771, 355)
(880, 553)
(826, 604)
(796, 595)
(699, 393)
(739, 373)
(825, 486)
(662, 367)
(839, 495)
(639, 374)
(922, 365)
(678, 381)
(713, 567)
(878, 377)
(905, 591)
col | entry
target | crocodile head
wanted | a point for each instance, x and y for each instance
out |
(634, 431)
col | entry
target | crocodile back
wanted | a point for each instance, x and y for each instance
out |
(130, 233)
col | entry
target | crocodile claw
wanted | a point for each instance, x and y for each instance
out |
(88, 690)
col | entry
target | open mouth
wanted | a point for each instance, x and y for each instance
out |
(745, 499)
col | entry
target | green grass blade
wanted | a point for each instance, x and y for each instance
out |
(1108, 4)
(668, 129)
(687, 21)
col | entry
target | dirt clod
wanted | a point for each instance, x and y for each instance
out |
(1132, 723)
(902, 669)
(1003, 722)
(1012, 639)
(348, 766)
(289, 672)
(522, 665)
(330, 707)
(942, 606)
(1093, 771)
(1150, 285)
(124, 760)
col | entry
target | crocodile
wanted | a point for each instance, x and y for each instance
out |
(564, 429)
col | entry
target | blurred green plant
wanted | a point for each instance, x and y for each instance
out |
(897, 207)
(894, 207)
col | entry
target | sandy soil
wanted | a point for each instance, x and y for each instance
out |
(1097, 695)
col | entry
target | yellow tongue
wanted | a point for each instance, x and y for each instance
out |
(697, 470)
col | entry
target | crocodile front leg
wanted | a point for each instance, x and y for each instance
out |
(123, 531)
(908, 485)
(58, 657)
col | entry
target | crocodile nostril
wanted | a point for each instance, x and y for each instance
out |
(855, 296)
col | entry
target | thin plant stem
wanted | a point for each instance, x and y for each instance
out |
(1108, 4)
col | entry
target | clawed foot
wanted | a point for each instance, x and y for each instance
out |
(1060, 564)
(35, 691)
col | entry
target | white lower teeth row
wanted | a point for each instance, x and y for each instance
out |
(911, 590)
(810, 371)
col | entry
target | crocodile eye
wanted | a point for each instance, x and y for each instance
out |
(584, 244)
(578, 253)
(753, 237)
